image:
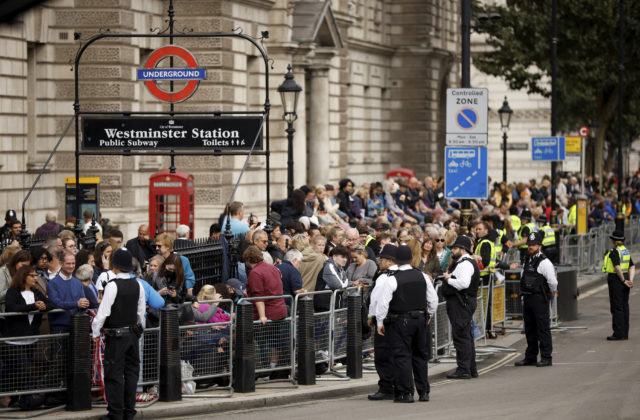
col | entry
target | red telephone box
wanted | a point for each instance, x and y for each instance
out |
(171, 202)
(400, 173)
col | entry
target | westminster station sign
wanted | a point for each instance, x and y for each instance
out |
(165, 133)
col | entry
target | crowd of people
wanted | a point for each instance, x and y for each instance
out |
(321, 238)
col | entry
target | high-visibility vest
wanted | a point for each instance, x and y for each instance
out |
(549, 236)
(492, 262)
(369, 240)
(571, 219)
(515, 223)
(499, 246)
(625, 258)
(532, 228)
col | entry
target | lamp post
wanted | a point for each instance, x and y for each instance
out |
(289, 92)
(505, 119)
(619, 213)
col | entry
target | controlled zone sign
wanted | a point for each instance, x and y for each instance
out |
(547, 148)
(467, 117)
(466, 173)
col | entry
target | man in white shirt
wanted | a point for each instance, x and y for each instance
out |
(460, 288)
(537, 284)
(405, 299)
(383, 357)
(122, 313)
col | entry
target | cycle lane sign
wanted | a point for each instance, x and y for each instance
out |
(466, 174)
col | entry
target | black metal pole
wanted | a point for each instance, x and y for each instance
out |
(504, 156)
(171, 13)
(465, 216)
(554, 103)
(619, 212)
(290, 130)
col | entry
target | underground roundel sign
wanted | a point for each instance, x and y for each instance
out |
(151, 73)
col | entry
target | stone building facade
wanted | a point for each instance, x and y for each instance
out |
(374, 74)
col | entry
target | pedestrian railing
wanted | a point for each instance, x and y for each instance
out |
(478, 319)
(498, 303)
(441, 329)
(274, 343)
(208, 349)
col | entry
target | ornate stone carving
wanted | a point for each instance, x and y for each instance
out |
(110, 198)
(208, 196)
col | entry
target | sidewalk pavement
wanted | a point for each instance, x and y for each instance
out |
(269, 397)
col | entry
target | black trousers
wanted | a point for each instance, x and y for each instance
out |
(619, 304)
(383, 359)
(410, 354)
(462, 332)
(121, 367)
(535, 313)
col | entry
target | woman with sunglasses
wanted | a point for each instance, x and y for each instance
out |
(443, 253)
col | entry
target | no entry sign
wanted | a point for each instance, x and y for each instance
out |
(151, 74)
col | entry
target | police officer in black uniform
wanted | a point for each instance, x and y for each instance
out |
(383, 356)
(620, 272)
(121, 312)
(537, 284)
(407, 299)
(460, 288)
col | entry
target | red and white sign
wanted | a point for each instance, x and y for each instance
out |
(584, 131)
(151, 74)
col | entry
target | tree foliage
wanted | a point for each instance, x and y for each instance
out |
(587, 65)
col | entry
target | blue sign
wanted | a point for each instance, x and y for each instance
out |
(547, 148)
(466, 172)
(467, 118)
(172, 74)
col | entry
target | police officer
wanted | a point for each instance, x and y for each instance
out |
(620, 272)
(407, 299)
(549, 239)
(383, 356)
(121, 312)
(460, 288)
(537, 284)
(526, 228)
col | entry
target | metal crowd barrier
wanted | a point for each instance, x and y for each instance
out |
(322, 322)
(33, 365)
(338, 343)
(478, 319)
(498, 303)
(274, 342)
(441, 329)
(208, 348)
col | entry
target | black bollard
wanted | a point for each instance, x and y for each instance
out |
(244, 365)
(306, 342)
(79, 364)
(170, 372)
(354, 336)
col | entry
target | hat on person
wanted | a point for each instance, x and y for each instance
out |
(542, 218)
(463, 242)
(535, 238)
(526, 214)
(389, 252)
(617, 235)
(402, 183)
(404, 255)
(122, 260)
(237, 286)
(11, 214)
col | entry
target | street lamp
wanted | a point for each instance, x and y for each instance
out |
(289, 92)
(505, 119)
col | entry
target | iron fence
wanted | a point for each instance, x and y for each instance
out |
(208, 348)
(206, 258)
